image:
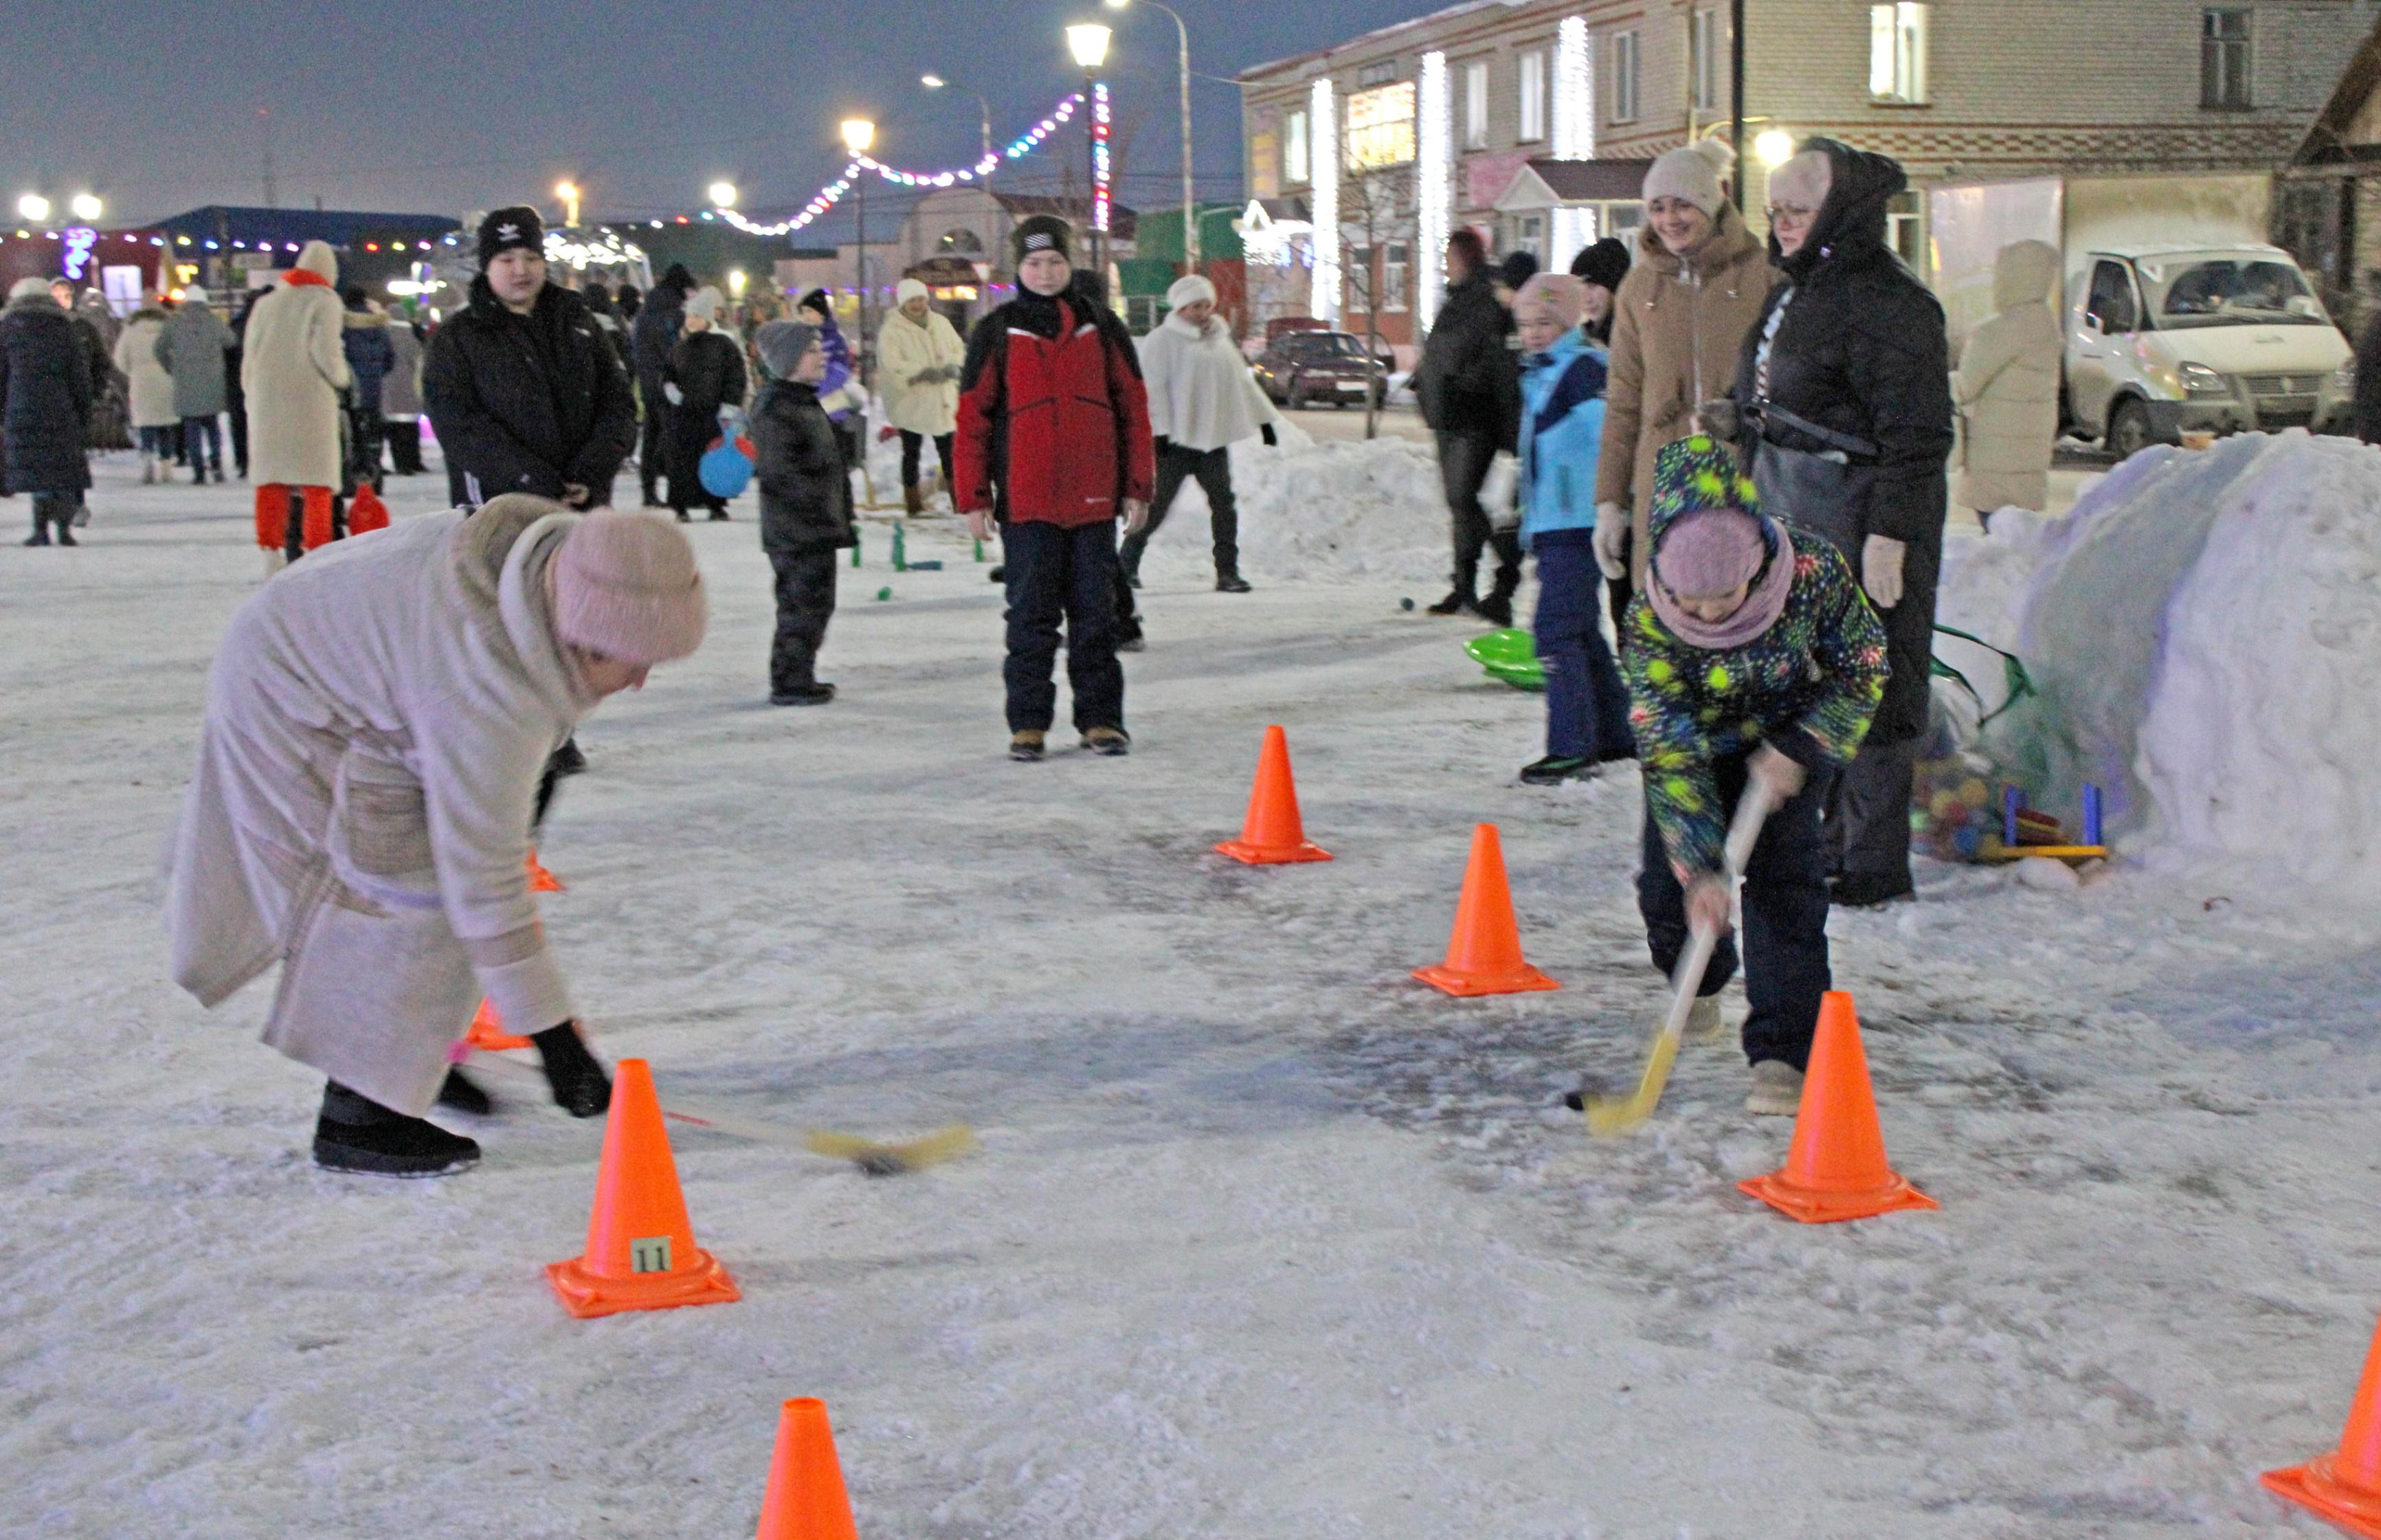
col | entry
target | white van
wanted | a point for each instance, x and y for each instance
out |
(2162, 340)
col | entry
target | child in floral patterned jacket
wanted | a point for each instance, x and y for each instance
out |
(1748, 655)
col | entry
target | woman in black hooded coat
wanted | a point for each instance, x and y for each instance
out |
(1845, 393)
(45, 405)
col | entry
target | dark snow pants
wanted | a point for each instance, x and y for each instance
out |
(805, 605)
(1054, 573)
(1463, 461)
(1785, 902)
(207, 432)
(1587, 706)
(912, 449)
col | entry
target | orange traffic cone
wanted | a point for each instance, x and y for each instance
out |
(540, 879)
(806, 1499)
(487, 1031)
(641, 1251)
(1837, 1170)
(2345, 1486)
(1272, 834)
(1483, 955)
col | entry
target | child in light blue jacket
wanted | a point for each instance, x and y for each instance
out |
(1562, 428)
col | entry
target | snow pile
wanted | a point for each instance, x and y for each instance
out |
(2205, 631)
(1315, 512)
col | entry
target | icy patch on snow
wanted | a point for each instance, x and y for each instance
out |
(2204, 629)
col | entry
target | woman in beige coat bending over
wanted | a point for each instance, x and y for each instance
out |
(376, 720)
(2007, 387)
(1679, 320)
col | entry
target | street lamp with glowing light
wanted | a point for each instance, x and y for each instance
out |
(1773, 148)
(568, 193)
(735, 283)
(87, 207)
(34, 207)
(722, 195)
(1088, 41)
(858, 133)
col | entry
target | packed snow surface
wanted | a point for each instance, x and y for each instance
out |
(1263, 1240)
(2205, 627)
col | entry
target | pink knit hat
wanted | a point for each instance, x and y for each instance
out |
(1709, 551)
(625, 585)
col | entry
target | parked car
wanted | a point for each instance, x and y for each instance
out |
(1300, 369)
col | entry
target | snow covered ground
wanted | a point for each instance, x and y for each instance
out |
(1263, 1240)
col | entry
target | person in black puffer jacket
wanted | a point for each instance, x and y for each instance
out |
(524, 392)
(1469, 384)
(805, 504)
(1844, 388)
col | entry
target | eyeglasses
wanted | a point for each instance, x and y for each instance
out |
(1790, 214)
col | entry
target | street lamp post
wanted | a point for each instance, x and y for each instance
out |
(1736, 92)
(1089, 43)
(858, 133)
(1190, 208)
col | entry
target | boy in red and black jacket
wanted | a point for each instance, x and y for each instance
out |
(1054, 447)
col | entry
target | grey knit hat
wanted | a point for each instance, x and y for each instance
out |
(781, 345)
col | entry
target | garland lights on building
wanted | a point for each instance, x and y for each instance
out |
(1434, 191)
(1100, 156)
(1574, 132)
(1326, 152)
(828, 196)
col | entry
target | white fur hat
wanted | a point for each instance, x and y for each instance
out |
(1692, 175)
(909, 289)
(1191, 289)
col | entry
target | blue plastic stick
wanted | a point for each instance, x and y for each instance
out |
(2091, 813)
(2012, 802)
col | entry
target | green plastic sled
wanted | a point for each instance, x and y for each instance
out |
(1509, 655)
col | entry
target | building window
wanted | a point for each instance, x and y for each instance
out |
(1703, 41)
(1624, 78)
(2224, 56)
(1393, 279)
(1532, 67)
(1896, 53)
(1295, 166)
(1379, 74)
(1529, 235)
(1475, 104)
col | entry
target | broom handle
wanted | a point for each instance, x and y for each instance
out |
(1753, 809)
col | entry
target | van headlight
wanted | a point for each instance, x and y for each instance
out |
(2343, 379)
(2197, 379)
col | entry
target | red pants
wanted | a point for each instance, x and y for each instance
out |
(273, 504)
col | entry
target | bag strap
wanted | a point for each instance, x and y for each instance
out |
(1770, 412)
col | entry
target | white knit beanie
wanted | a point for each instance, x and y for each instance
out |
(909, 289)
(1191, 289)
(625, 585)
(705, 302)
(1692, 175)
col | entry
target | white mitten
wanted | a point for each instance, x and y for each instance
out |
(1612, 540)
(1881, 571)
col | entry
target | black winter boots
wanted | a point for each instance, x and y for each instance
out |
(356, 1133)
(580, 1087)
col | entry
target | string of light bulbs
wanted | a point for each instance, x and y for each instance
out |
(828, 196)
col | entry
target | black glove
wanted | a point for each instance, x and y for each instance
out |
(1272, 439)
(1163, 443)
(580, 1087)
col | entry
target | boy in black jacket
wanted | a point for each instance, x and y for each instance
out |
(805, 504)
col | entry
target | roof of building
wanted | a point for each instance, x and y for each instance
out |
(1298, 60)
(2326, 137)
(338, 227)
(1583, 182)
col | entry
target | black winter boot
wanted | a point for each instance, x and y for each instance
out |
(580, 1086)
(465, 1094)
(356, 1133)
(41, 535)
(1456, 601)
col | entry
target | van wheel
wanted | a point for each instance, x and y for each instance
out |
(2129, 432)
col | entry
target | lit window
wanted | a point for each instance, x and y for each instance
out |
(1534, 97)
(2224, 56)
(1295, 167)
(1896, 53)
(1475, 104)
(1624, 78)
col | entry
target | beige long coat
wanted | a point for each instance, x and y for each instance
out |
(153, 385)
(376, 720)
(905, 348)
(2007, 385)
(1677, 327)
(293, 370)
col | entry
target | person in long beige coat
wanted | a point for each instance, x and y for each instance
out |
(153, 417)
(293, 369)
(1678, 318)
(919, 356)
(376, 720)
(2006, 386)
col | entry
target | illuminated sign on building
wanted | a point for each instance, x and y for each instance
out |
(1381, 127)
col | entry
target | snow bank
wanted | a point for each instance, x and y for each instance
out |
(2206, 630)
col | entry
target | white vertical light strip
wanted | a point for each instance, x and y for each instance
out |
(1574, 134)
(1323, 146)
(1433, 193)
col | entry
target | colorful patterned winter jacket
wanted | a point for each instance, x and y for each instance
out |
(1809, 685)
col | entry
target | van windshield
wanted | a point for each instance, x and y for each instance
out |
(2229, 291)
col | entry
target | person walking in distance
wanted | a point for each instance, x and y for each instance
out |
(806, 512)
(919, 356)
(524, 391)
(653, 336)
(400, 398)
(1054, 447)
(705, 373)
(1203, 400)
(293, 369)
(2006, 386)
(192, 350)
(1469, 384)
(153, 417)
(371, 356)
(1845, 387)
(45, 403)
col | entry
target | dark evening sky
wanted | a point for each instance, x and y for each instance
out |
(438, 107)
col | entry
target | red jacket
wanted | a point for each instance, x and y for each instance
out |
(1054, 420)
